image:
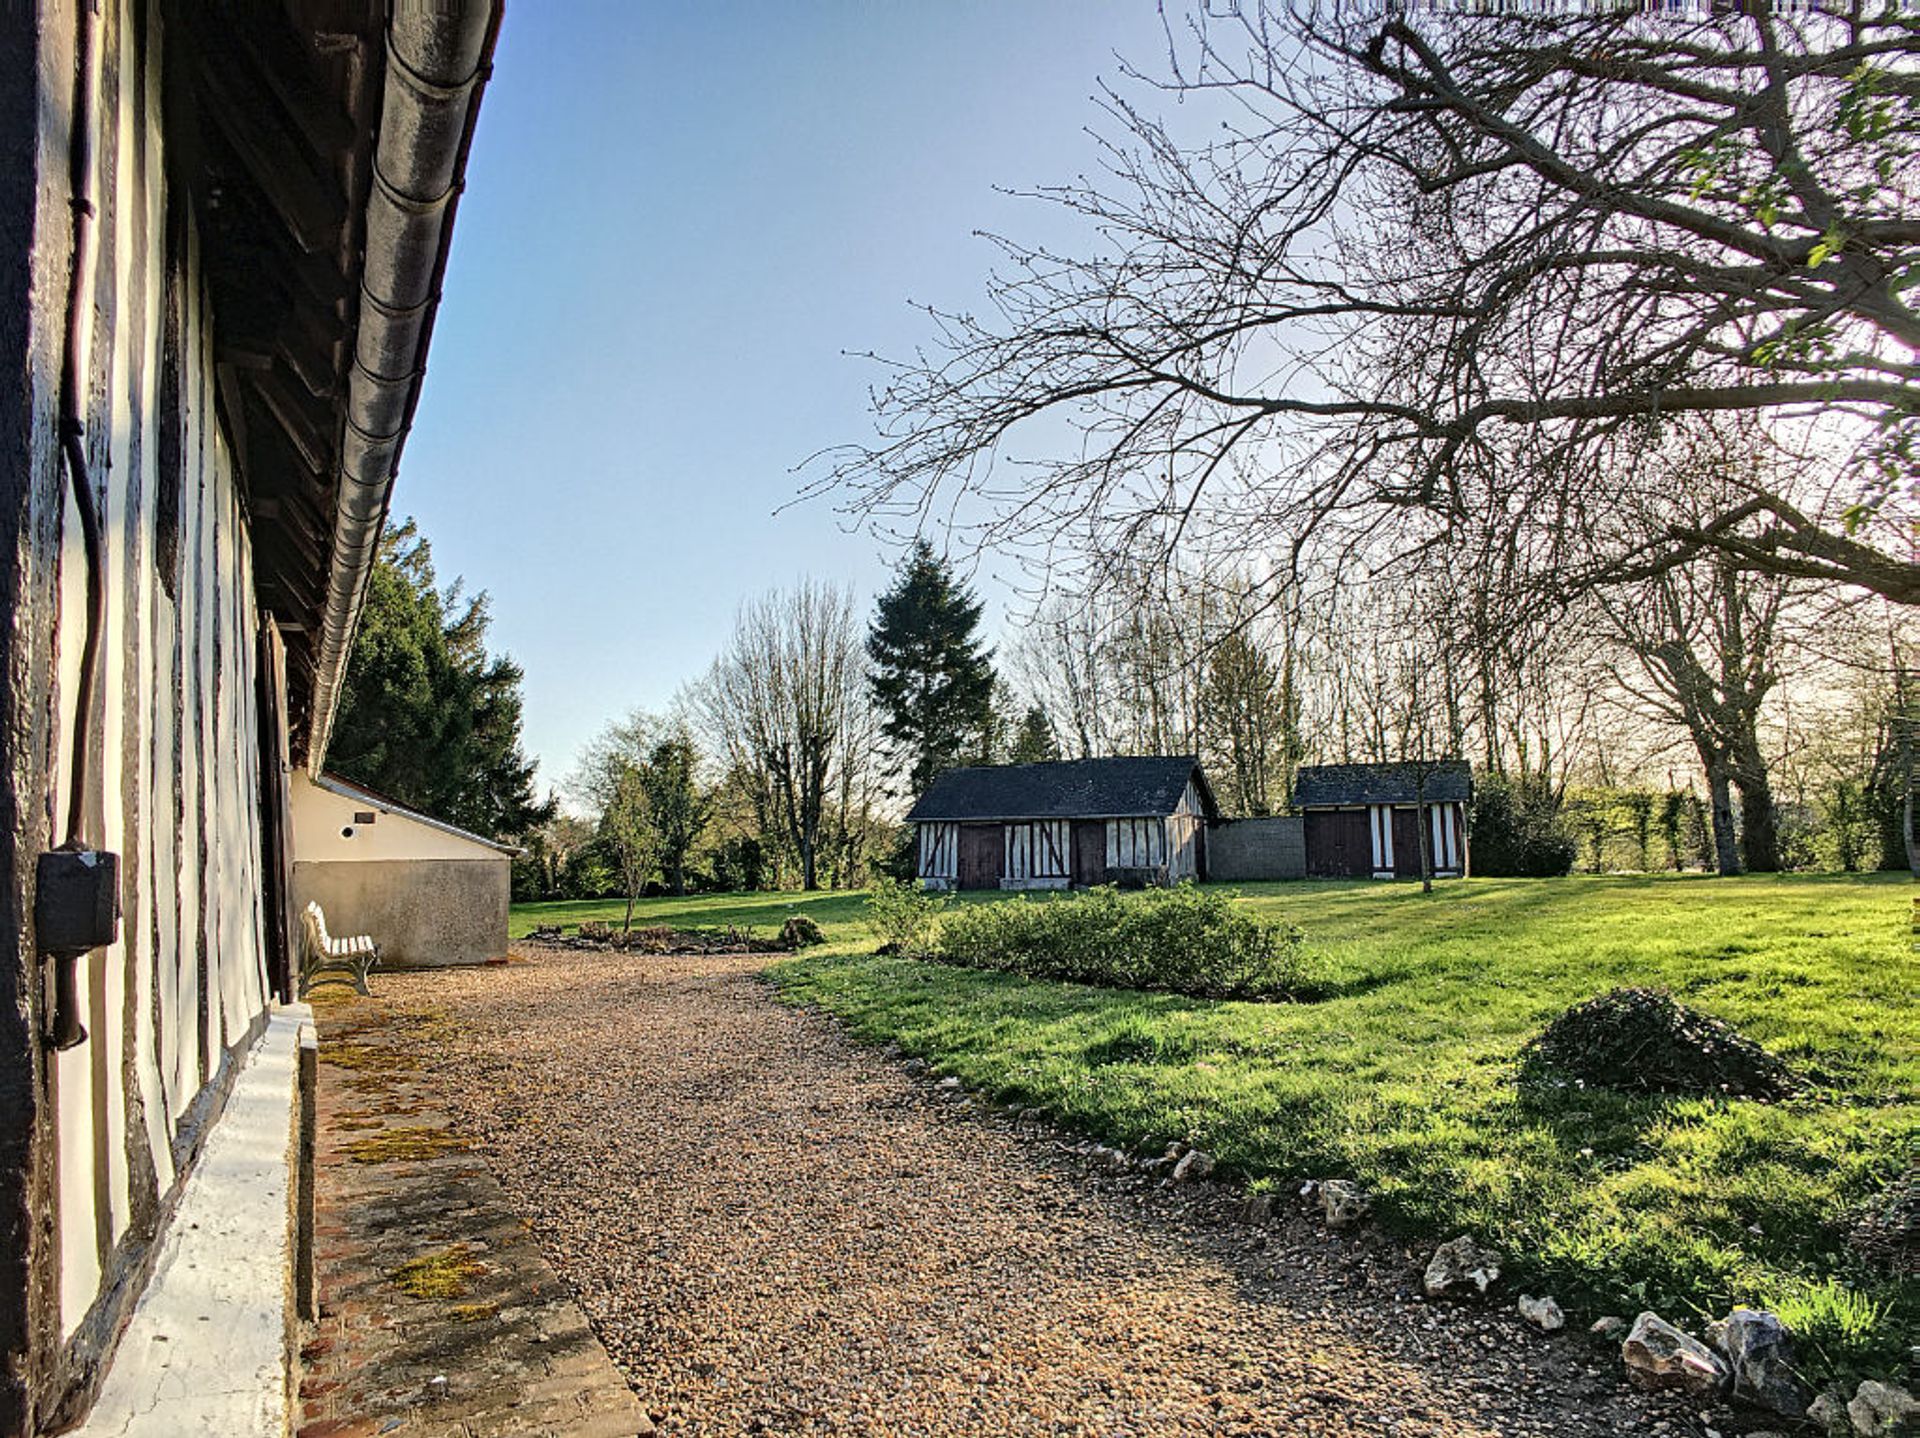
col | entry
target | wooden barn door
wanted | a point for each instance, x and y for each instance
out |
(1406, 844)
(1339, 844)
(1089, 852)
(980, 855)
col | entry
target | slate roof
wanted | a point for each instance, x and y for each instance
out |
(1068, 789)
(1319, 785)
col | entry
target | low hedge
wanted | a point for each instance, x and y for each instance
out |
(1184, 940)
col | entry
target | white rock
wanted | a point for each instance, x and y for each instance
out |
(1543, 1313)
(1884, 1410)
(1456, 1262)
(1829, 1412)
(1343, 1203)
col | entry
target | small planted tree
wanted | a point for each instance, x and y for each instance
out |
(628, 829)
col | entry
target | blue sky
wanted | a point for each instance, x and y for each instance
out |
(678, 218)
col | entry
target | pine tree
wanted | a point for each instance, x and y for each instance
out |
(427, 716)
(1033, 741)
(931, 680)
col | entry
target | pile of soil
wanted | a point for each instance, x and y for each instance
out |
(1642, 1040)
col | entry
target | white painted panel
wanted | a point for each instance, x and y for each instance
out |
(321, 818)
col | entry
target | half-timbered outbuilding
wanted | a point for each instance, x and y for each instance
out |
(1073, 823)
(1364, 820)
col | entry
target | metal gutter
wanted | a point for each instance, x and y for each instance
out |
(439, 54)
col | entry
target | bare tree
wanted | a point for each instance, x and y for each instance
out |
(1706, 637)
(1454, 267)
(777, 703)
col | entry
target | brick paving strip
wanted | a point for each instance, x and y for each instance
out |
(439, 1318)
(776, 1230)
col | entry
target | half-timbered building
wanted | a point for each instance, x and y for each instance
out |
(1365, 820)
(223, 233)
(1073, 823)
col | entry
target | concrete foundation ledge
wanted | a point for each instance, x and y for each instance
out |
(207, 1350)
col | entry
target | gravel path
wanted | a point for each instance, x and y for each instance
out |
(773, 1230)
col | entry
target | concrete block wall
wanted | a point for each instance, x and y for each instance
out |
(1245, 850)
(422, 912)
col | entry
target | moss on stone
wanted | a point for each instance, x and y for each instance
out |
(409, 1141)
(444, 1273)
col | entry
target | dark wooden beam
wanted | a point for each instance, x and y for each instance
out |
(283, 63)
(251, 121)
(308, 433)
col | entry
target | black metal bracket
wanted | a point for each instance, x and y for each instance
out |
(76, 909)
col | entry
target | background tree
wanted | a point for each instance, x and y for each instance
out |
(427, 716)
(930, 678)
(1251, 726)
(1033, 741)
(548, 859)
(1708, 638)
(777, 703)
(1447, 267)
(659, 754)
(678, 803)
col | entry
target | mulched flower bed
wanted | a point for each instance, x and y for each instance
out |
(659, 939)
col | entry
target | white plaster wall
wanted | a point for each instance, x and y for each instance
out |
(180, 799)
(320, 815)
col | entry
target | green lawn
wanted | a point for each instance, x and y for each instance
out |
(1405, 1079)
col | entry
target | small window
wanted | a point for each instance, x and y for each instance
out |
(361, 816)
(347, 833)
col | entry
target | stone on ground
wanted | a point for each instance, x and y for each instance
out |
(1543, 1313)
(1758, 1348)
(1457, 1263)
(1884, 1410)
(1658, 1356)
(1194, 1166)
(1342, 1202)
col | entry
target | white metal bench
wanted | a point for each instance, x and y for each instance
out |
(321, 953)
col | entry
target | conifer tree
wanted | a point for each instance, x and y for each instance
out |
(1033, 741)
(427, 716)
(931, 679)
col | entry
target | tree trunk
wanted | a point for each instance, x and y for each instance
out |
(1907, 782)
(1759, 818)
(1726, 848)
(627, 927)
(1421, 820)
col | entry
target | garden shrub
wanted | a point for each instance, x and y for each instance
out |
(1185, 940)
(1517, 832)
(902, 916)
(800, 932)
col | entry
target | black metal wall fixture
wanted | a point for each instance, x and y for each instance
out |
(76, 886)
